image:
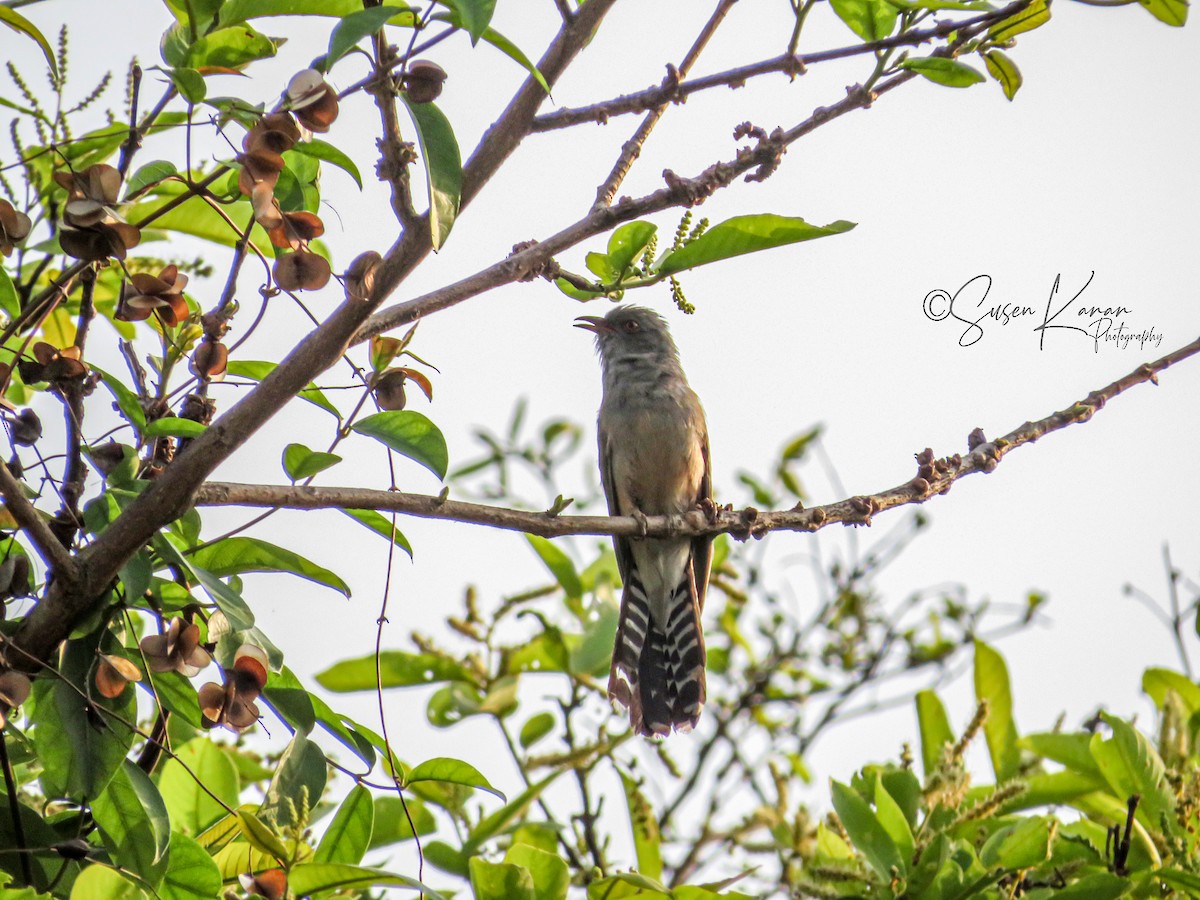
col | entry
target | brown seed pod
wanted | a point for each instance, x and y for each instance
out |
(210, 359)
(301, 271)
(423, 81)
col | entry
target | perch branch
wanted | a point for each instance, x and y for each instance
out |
(934, 476)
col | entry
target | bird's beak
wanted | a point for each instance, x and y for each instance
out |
(594, 324)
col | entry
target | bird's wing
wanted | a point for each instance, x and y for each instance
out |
(702, 544)
(620, 544)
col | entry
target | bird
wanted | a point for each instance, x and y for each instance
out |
(654, 460)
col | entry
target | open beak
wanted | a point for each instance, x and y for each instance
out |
(594, 324)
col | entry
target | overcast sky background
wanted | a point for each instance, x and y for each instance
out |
(1092, 168)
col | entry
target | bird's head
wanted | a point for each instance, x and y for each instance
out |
(630, 331)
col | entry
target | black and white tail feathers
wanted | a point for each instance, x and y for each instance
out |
(658, 662)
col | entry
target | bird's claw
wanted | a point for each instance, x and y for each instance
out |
(642, 522)
(711, 511)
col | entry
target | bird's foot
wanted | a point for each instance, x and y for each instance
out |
(711, 511)
(642, 523)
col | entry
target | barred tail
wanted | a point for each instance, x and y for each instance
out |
(658, 666)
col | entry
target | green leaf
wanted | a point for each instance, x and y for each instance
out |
(192, 807)
(535, 728)
(257, 370)
(934, 725)
(297, 785)
(947, 72)
(336, 725)
(871, 20)
(549, 871)
(558, 563)
(381, 525)
(235, 555)
(173, 426)
(9, 301)
(290, 701)
(1001, 67)
(1098, 886)
(1173, 12)
(99, 883)
(228, 600)
(628, 243)
(868, 835)
(895, 823)
(1020, 846)
(191, 872)
(1157, 682)
(234, 11)
(500, 881)
(1074, 751)
(353, 28)
(1033, 16)
(473, 14)
(392, 820)
(1131, 765)
(1185, 881)
(259, 835)
(78, 758)
(190, 84)
(647, 842)
(452, 771)
(309, 878)
(230, 48)
(348, 836)
(299, 462)
(397, 669)
(443, 167)
(22, 25)
(133, 819)
(326, 152)
(591, 652)
(127, 401)
(149, 175)
(409, 434)
(992, 686)
(746, 234)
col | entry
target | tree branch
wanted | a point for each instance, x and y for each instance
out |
(48, 547)
(169, 496)
(632, 148)
(787, 63)
(934, 476)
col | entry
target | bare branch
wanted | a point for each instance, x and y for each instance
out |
(934, 476)
(787, 63)
(47, 545)
(632, 148)
(680, 191)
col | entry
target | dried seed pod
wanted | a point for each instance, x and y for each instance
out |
(312, 101)
(301, 271)
(360, 276)
(423, 81)
(113, 674)
(26, 428)
(210, 359)
(389, 389)
(14, 227)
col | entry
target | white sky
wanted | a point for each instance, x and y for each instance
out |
(1091, 168)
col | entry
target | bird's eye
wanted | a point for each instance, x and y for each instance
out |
(631, 326)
